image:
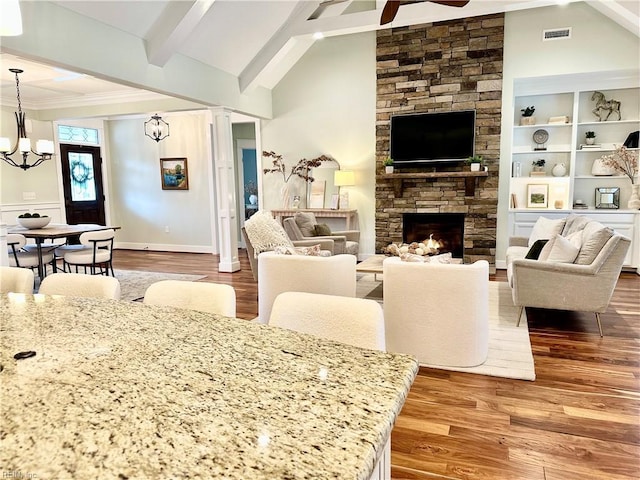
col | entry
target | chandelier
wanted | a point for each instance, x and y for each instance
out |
(155, 128)
(44, 148)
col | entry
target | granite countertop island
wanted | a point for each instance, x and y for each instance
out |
(125, 390)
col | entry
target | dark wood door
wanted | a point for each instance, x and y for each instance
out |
(82, 183)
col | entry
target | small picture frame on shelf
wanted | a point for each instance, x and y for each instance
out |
(537, 195)
(608, 198)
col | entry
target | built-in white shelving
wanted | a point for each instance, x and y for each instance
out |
(571, 96)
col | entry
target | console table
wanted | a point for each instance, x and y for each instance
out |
(350, 215)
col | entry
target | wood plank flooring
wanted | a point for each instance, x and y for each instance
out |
(580, 419)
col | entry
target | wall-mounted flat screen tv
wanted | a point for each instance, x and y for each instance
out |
(425, 138)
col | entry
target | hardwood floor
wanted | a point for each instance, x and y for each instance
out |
(580, 418)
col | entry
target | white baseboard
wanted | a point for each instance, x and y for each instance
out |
(160, 247)
(501, 264)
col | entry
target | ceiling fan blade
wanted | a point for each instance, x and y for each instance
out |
(451, 3)
(389, 11)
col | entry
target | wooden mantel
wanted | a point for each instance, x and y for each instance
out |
(469, 177)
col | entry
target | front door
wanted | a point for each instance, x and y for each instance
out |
(82, 183)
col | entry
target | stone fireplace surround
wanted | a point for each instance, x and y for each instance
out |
(444, 66)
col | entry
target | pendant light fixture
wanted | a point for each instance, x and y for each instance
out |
(156, 128)
(44, 148)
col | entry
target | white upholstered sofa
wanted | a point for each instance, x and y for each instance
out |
(437, 312)
(566, 264)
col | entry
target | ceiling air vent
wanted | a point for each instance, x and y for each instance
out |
(556, 34)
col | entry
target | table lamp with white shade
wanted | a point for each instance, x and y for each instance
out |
(343, 178)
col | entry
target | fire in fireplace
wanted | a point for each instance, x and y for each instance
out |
(445, 229)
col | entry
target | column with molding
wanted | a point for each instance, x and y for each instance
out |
(225, 186)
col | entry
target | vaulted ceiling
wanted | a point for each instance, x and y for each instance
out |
(254, 42)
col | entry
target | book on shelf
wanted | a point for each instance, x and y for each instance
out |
(559, 119)
(514, 201)
(595, 146)
(537, 174)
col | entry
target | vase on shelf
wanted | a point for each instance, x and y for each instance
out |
(634, 199)
(559, 170)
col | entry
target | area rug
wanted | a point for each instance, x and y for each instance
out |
(133, 283)
(510, 354)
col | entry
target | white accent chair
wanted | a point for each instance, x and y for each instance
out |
(16, 279)
(18, 257)
(335, 275)
(202, 296)
(97, 253)
(437, 312)
(355, 321)
(81, 285)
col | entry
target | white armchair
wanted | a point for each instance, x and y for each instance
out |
(335, 275)
(437, 312)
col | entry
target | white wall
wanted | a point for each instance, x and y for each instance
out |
(597, 44)
(326, 105)
(138, 203)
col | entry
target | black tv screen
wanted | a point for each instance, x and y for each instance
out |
(432, 137)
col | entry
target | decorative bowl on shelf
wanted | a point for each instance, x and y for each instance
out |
(33, 222)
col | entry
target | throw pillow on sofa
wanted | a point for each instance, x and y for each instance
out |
(558, 250)
(313, 251)
(322, 230)
(545, 228)
(594, 236)
(536, 248)
(306, 222)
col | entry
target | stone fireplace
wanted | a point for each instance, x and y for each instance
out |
(444, 66)
(445, 228)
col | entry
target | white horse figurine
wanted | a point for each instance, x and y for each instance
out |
(604, 104)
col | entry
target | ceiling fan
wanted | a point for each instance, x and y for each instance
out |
(391, 8)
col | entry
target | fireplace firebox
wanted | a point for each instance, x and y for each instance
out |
(445, 228)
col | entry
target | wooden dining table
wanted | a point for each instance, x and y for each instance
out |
(54, 231)
(97, 388)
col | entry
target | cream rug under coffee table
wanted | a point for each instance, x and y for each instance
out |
(510, 354)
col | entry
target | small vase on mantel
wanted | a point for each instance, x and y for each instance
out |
(634, 199)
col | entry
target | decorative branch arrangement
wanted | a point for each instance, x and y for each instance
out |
(623, 161)
(300, 169)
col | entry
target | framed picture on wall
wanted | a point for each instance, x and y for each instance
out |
(173, 174)
(537, 196)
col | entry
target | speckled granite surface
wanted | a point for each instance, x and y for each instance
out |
(125, 390)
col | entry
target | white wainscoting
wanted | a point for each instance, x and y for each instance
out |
(9, 212)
